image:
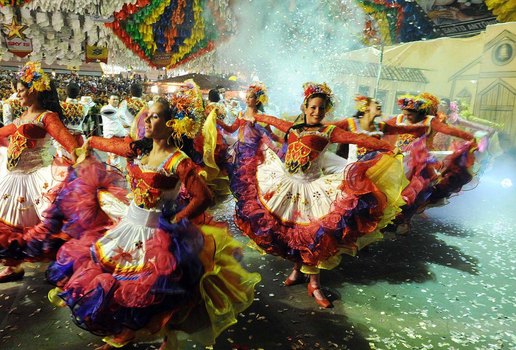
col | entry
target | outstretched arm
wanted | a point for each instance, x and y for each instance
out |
(230, 128)
(117, 145)
(7, 130)
(391, 129)
(196, 187)
(448, 130)
(59, 132)
(279, 124)
(343, 124)
(341, 136)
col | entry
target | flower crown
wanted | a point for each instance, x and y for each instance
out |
(34, 77)
(313, 88)
(432, 102)
(186, 121)
(361, 103)
(415, 103)
(260, 91)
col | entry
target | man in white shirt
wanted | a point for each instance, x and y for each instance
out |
(113, 125)
(131, 106)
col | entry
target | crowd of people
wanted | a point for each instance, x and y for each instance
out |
(146, 259)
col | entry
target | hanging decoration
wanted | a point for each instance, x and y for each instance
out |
(505, 10)
(15, 39)
(394, 21)
(96, 54)
(13, 3)
(14, 29)
(169, 32)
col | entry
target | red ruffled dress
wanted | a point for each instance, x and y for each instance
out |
(353, 125)
(297, 210)
(146, 275)
(27, 188)
(433, 175)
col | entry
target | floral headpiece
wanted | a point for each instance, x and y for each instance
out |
(186, 121)
(313, 88)
(361, 103)
(34, 77)
(432, 102)
(454, 111)
(260, 91)
(424, 102)
(191, 89)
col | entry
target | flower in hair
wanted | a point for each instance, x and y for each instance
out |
(430, 103)
(361, 103)
(409, 102)
(34, 77)
(186, 121)
(311, 88)
(260, 91)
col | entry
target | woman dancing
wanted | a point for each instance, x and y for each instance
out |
(294, 210)
(26, 189)
(164, 267)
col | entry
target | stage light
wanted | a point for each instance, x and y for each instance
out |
(506, 183)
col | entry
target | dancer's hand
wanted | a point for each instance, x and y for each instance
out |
(81, 153)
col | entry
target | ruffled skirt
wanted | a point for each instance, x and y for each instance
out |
(315, 219)
(41, 212)
(23, 198)
(435, 175)
(146, 276)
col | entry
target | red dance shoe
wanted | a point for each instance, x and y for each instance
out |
(321, 300)
(8, 275)
(292, 279)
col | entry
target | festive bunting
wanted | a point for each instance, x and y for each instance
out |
(395, 21)
(13, 2)
(176, 30)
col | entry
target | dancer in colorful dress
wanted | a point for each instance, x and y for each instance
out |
(364, 122)
(250, 133)
(436, 178)
(164, 267)
(24, 189)
(294, 210)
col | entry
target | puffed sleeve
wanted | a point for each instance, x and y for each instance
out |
(393, 129)
(118, 145)
(341, 136)
(7, 130)
(448, 130)
(343, 124)
(230, 128)
(201, 197)
(59, 132)
(279, 124)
